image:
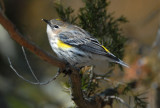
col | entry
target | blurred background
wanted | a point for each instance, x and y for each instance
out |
(142, 52)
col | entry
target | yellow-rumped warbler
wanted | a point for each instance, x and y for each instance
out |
(76, 46)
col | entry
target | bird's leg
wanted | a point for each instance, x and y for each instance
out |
(67, 70)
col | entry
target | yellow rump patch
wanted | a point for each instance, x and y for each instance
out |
(106, 49)
(63, 45)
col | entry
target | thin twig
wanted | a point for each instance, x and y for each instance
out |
(117, 98)
(103, 78)
(25, 56)
(35, 83)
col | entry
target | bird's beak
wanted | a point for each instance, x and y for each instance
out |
(46, 21)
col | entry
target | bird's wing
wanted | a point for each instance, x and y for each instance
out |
(87, 43)
(82, 41)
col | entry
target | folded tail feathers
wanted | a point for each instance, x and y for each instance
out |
(122, 63)
(116, 60)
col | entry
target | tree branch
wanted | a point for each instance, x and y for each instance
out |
(78, 94)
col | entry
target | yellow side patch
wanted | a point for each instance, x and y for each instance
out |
(63, 45)
(58, 19)
(106, 49)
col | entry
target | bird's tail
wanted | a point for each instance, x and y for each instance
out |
(122, 63)
(113, 58)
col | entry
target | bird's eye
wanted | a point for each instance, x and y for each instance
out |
(55, 26)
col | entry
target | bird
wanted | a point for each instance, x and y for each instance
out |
(77, 47)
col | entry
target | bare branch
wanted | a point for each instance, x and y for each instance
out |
(25, 56)
(77, 93)
(35, 83)
(10, 64)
